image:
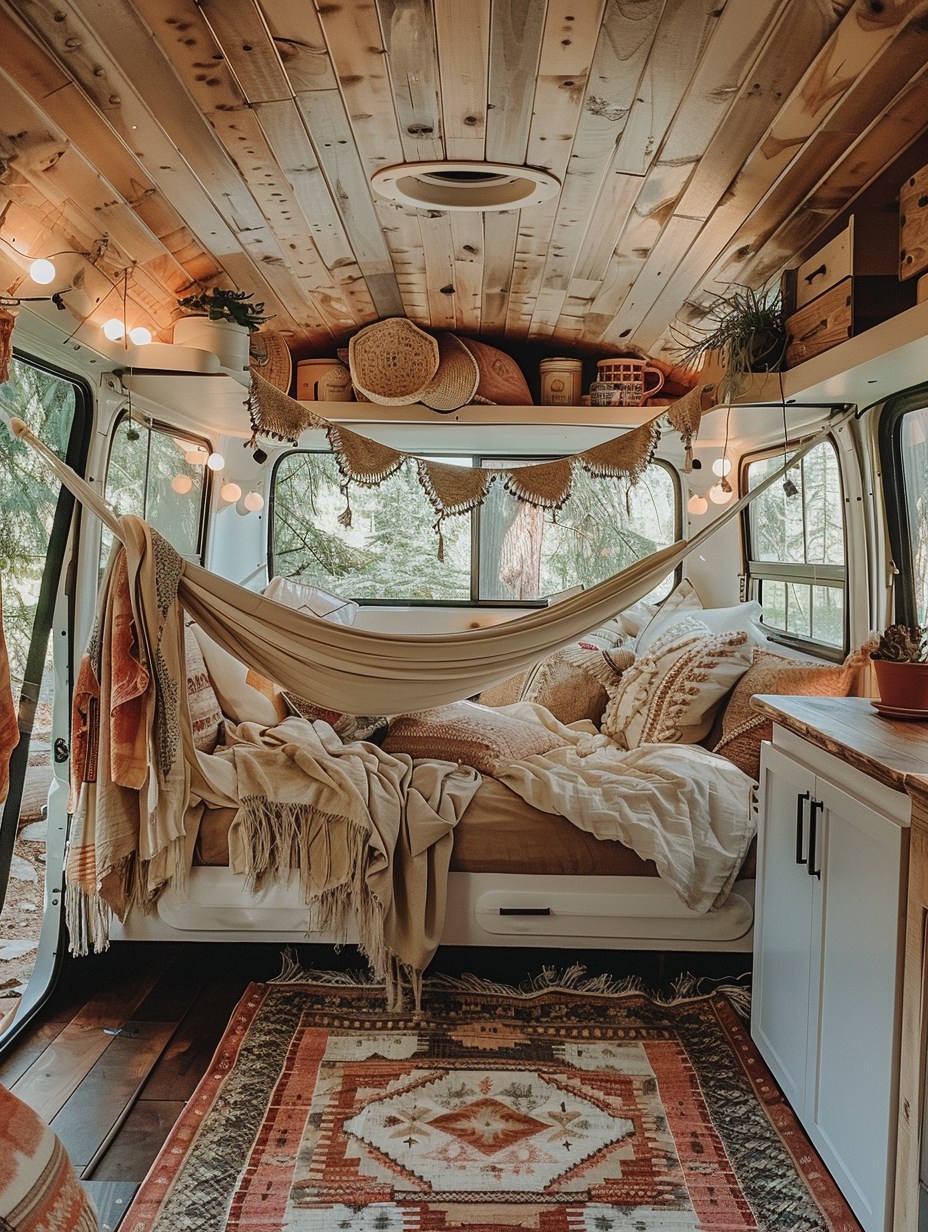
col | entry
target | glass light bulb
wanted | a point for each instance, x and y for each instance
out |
(140, 335)
(181, 484)
(720, 495)
(697, 505)
(721, 466)
(215, 461)
(196, 457)
(42, 271)
(230, 492)
(254, 501)
(114, 329)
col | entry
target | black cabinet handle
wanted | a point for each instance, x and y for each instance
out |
(800, 799)
(815, 808)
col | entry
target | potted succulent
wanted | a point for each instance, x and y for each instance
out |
(747, 329)
(220, 321)
(900, 660)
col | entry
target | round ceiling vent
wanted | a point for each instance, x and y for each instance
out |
(464, 186)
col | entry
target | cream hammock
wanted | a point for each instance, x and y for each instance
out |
(363, 672)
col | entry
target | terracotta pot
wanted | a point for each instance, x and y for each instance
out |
(902, 685)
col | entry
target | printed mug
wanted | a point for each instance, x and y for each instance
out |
(625, 382)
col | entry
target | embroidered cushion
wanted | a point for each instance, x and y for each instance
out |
(744, 729)
(244, 695)
(39, 1190)
(670, 694)
(470, 734)
(347, 727)
(205, 711)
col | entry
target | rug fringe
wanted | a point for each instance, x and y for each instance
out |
(573, 979)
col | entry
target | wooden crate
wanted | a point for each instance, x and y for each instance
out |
(845, 310)
(913, 225)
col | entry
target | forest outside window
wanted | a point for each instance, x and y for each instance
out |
(904, 454)
(507, 551)
(795, 547)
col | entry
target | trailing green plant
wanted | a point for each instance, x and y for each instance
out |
(221, 305)
(748, 329)
(902, 644)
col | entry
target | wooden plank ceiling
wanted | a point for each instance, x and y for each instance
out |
(188, 143)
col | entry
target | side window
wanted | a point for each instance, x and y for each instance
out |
(795, 548)
(904, 449)
(149, 475)
(507, 551)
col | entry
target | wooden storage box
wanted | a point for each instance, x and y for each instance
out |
(913, 225)
(846, 287)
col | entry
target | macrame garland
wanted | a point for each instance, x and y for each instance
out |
(273, 413)
(546, 486)
(452, 490)
(684, 416)
(628, 455)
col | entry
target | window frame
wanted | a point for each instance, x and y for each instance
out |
(804, 573)
(478, 459)
(889, 431)
(150, 424)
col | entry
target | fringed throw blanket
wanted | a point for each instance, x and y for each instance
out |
(368, 833)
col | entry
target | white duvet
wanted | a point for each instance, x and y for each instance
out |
(686, 809)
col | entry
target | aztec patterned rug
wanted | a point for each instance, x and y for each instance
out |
(554, 1110)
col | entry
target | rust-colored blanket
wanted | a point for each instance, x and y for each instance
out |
(9, 730)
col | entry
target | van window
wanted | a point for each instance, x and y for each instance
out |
(795, 548)
(904, 452)
(506, 551)
(147, 475)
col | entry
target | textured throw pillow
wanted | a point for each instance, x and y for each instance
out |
(670, 694)
(683, 599)
(205, 711)
(347, 727)
(740, 618)
(244, 695)
(39, 1189)
(312, 599)
(469, 734)
(744, 729)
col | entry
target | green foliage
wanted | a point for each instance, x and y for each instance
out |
(903, 644)
(220, 305)
(748, 329)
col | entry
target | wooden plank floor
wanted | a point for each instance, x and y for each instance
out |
(126, 1036)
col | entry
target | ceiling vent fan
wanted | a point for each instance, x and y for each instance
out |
(479, 187)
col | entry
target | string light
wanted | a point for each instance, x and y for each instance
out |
(253, 501)
(215, 461)
(114, 329)
(181, 484)
(230, 492)
(697, 505)
(720, 493)
(196, 457)
(42, 271)
(721, 466)
(140, 335)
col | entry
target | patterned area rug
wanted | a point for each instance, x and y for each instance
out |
(555, 1111)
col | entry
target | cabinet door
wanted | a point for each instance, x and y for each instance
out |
(851, 1102)
(787, 928)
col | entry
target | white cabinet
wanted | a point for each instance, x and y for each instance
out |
(832, 857)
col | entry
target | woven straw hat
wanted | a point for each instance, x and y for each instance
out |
(455, 382)
(392, 361)
(269, 356)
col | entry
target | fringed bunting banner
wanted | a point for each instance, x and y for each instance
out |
(452, 490)
(624, 455)
(684, 416)
(546, 486)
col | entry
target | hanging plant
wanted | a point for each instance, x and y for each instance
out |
(748, 329)
(221, 305)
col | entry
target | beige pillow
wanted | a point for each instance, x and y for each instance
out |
(244, 695)
(470, 734)
(205, 711)
(348, 727)
(682, 600)
(744, 729)
(740, 618)
(670, 694)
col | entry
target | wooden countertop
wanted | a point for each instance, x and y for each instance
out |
(892, 751)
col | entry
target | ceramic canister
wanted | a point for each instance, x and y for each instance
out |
(323, 380)
(561, 381)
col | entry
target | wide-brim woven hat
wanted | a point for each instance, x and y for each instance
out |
(457, 378)
(270, 357)
(393, 361)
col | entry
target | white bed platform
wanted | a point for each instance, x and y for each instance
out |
(484, 909)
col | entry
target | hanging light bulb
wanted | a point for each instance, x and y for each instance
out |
(215, 461)
(253, 501)
(114, 329)
(42, 271)
(720, 493)
(697, 504)
(721, 466)
(140, 335)
(181, 484)
(230, 492)
(196, 457)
